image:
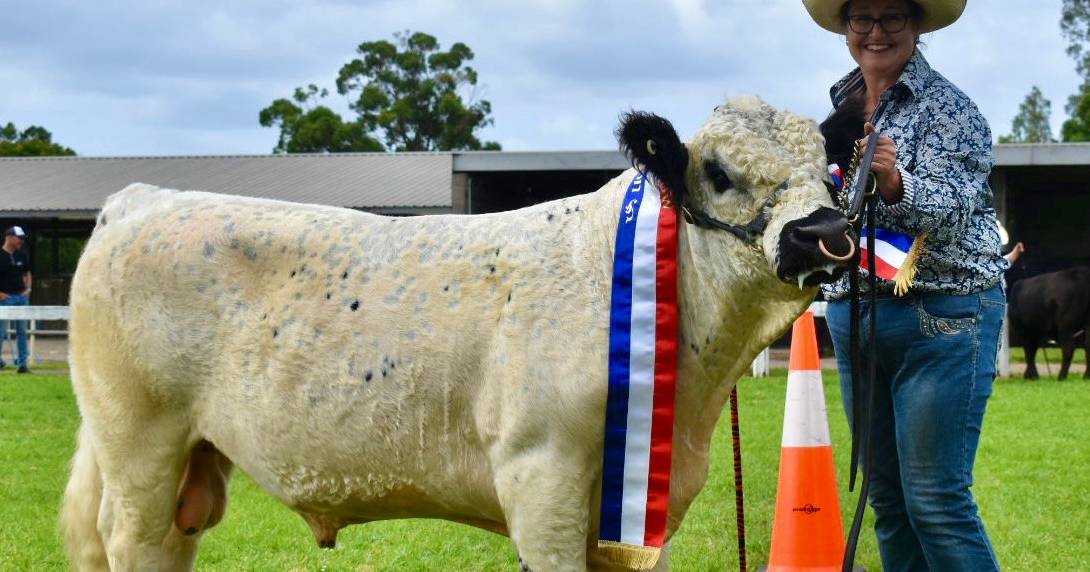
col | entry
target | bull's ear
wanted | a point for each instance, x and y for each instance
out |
(651, 143)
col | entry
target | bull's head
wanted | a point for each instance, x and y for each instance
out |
(755, 172)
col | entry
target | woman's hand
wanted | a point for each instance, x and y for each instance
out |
(1015, 253)
(884, 166)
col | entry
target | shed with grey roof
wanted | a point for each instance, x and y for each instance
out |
(394, 183)
(1042, 191)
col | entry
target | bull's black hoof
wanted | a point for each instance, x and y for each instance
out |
(523, 567)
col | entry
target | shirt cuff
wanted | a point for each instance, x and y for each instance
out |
(908, 198)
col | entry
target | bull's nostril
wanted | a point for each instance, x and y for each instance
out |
(836, 257)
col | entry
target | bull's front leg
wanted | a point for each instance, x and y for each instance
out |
(545, 498)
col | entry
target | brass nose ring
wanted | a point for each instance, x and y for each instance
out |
(831, 256)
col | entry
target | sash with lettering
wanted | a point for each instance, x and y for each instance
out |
(643, 334)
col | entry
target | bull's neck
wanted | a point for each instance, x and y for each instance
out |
(731, 306)
(730, 309)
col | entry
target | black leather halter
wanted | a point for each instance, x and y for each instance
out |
(748, 233)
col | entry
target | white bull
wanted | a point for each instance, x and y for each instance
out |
(361, 367)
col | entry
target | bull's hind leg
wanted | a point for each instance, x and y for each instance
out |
(542, 496)
(1030, 348)
(142, 465)
(79, 510)
(1067, 349)
(1086, 357)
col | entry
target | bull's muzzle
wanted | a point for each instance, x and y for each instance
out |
(816, 248)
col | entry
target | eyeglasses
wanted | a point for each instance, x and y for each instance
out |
(890, 23)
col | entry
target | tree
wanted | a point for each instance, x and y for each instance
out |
(1078, 127)
(306, 127)
(406, 93)
(1031, 125)
(34, 141)
(1075, 26)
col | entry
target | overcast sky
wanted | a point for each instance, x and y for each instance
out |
(181, 78)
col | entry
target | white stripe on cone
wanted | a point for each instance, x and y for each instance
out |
(805, 423)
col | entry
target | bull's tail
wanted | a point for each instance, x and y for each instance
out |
(79, 511)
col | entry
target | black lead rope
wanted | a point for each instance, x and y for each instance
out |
(862, 206)
(862, 417)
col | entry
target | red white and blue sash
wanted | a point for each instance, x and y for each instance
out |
(643, 339)
(890, 251)
(895, 254)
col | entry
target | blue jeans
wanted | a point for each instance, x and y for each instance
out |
(20, 330)
(936, 362)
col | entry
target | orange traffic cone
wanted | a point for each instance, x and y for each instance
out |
(806, 531)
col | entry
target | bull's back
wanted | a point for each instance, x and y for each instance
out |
(171, 277)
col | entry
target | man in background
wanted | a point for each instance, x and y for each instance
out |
(15, 276)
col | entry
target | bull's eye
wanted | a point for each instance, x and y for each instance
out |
(718, 177)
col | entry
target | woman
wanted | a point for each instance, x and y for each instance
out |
(936, 344)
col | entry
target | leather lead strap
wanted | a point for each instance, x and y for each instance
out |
(739, 504)
(862, 205)
(865, 430)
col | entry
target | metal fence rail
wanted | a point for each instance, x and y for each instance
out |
(34, 314)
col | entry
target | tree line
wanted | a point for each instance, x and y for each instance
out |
(406, 95)
(34, 141)
(1032, 123)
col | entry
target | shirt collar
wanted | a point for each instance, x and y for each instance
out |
(915, 77)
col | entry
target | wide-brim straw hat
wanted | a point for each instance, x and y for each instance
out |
(936, 13)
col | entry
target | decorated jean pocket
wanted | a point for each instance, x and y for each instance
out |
(946, 314)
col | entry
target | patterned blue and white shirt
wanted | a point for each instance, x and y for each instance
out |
(944, 154)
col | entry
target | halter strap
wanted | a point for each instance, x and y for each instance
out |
(747, 233)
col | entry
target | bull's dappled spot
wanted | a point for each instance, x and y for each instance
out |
(1030, 478)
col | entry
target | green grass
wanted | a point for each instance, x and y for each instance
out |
(1052, 355)
(1032, 479)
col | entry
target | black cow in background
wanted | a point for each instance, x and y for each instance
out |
(1052, 306)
